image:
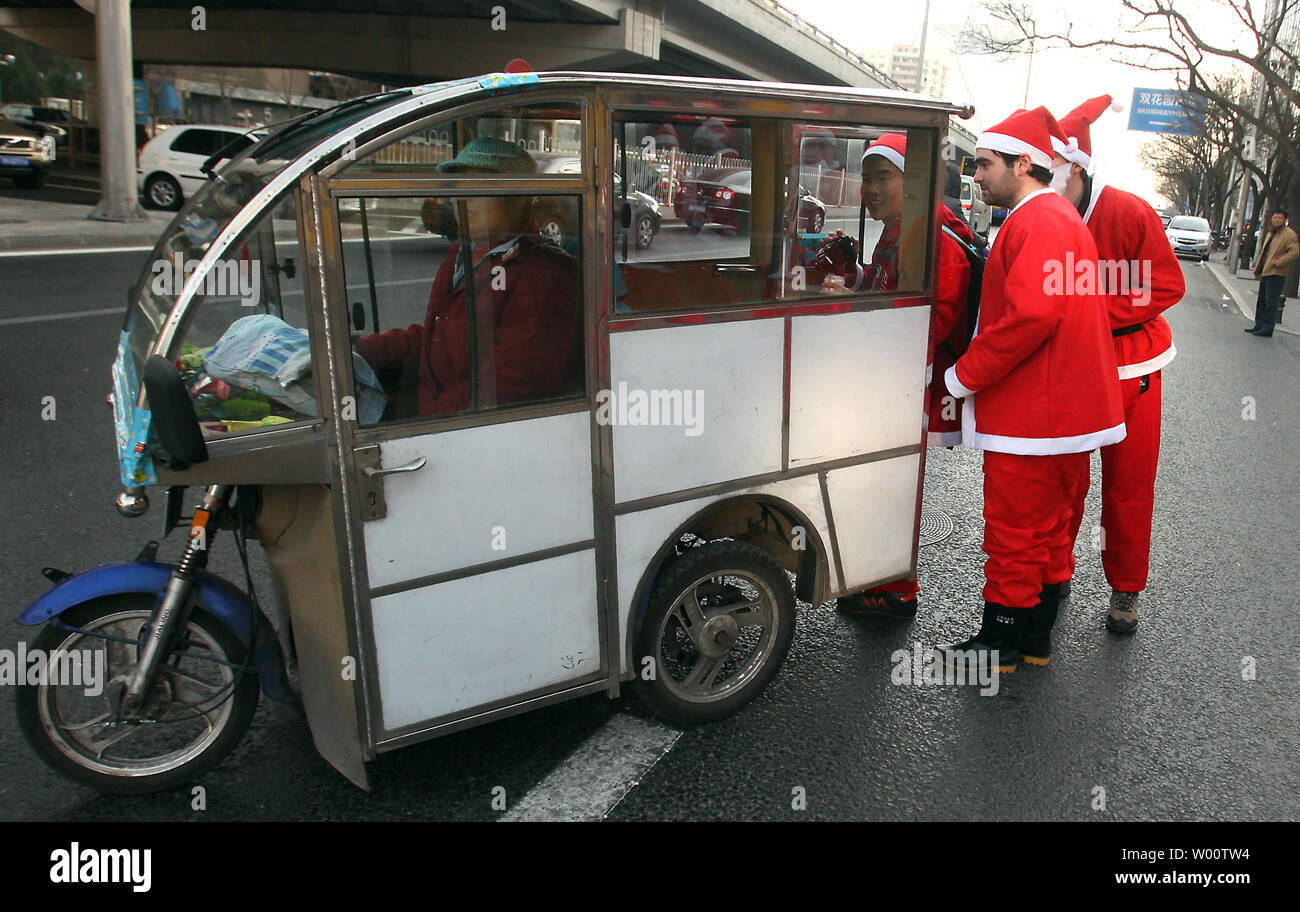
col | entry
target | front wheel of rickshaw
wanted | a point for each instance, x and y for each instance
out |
(718, 627)
(192, 717)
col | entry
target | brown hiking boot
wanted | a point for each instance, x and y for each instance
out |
(1123, 614)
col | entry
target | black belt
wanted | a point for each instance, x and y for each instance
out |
(1126, 330)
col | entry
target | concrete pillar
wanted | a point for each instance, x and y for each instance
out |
(117, 202)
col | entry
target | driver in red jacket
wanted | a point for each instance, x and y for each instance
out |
(526, 299)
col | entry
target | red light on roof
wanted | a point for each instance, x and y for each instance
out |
(518, 65)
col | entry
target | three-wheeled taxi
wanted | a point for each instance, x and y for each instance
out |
(529, 387)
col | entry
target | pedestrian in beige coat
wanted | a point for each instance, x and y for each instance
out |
(1281, 248)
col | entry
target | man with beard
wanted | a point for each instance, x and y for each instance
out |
(1039, 384)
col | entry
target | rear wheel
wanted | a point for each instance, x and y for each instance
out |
(718, 627)
(645, 232)
(816, 222)
(162, 192)
(193, 717)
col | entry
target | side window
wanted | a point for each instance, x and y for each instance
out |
(859, 221)
(551, 133)
(244, 354)
(697, 195)
(726, 211)
(193, 142)
(462, 303)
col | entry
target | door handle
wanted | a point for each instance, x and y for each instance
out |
(373, 505)
(376, 472)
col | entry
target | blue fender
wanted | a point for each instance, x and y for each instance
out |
(215, 596)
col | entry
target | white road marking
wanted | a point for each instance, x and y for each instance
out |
(12, 321)
(71, 250)
(596, 777)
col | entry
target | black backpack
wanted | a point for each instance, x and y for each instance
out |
(976, 259)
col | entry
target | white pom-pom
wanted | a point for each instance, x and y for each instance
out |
(1117, 106)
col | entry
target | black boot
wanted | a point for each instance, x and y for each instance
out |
(1036, 644)
(1001, 630)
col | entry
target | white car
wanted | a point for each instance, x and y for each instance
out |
(1189, 235)
(168, 167)
(978, 213)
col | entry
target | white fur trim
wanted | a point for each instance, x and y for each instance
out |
(888, 154)
(1026, 198)
(1034, 446)
(1013, 145)
(1071, 152)
(954, 385)
(1097, 187)
(1150, 366)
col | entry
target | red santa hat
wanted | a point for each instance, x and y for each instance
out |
(1024, 133)
(892, 147)
(1077, 146)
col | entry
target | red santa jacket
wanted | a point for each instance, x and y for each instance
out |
(1040, 377)
(1138, 260)
(948, 330)
(527, 327)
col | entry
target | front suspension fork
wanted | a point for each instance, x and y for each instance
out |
(172, 614)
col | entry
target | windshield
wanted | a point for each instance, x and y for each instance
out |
(1189, 223)
(219, 200)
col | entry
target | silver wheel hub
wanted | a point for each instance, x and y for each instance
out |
(717, 636)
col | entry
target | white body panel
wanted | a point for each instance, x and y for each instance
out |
(448, 648)
(857, 383)
(639, 535)
(738, 367)
(524, 484)
(874, 505)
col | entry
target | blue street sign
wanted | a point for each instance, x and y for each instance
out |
(1160, 111)
(141, 101)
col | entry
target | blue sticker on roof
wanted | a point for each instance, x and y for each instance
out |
(508, 80)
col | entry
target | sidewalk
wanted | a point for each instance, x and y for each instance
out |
(1243, 288)
(55, 217)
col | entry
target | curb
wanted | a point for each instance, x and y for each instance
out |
(73, 241)
(1220, 273)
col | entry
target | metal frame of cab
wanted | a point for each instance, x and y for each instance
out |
(322, 450)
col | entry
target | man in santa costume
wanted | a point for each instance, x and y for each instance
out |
(1039, 384)
(1142, 279)
(882, 193)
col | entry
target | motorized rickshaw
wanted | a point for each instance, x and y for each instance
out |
(499, 449)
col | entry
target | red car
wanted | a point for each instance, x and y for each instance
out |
(722, 198)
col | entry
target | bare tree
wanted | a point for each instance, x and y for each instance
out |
(1160, 37)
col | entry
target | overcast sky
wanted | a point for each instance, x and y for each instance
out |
(1060, 79)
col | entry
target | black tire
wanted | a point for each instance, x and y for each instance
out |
(726, 574)
(34, 180)
(817, 222)
(49, 731)
(162, 192)
(644, 232)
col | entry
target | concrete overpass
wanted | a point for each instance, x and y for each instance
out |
(414, 41)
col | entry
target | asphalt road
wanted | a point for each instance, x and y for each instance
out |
(1163, 722)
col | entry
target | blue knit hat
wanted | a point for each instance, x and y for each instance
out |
(488, 154)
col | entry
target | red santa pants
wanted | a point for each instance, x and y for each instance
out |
(1128, 488)
(1030, 507)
